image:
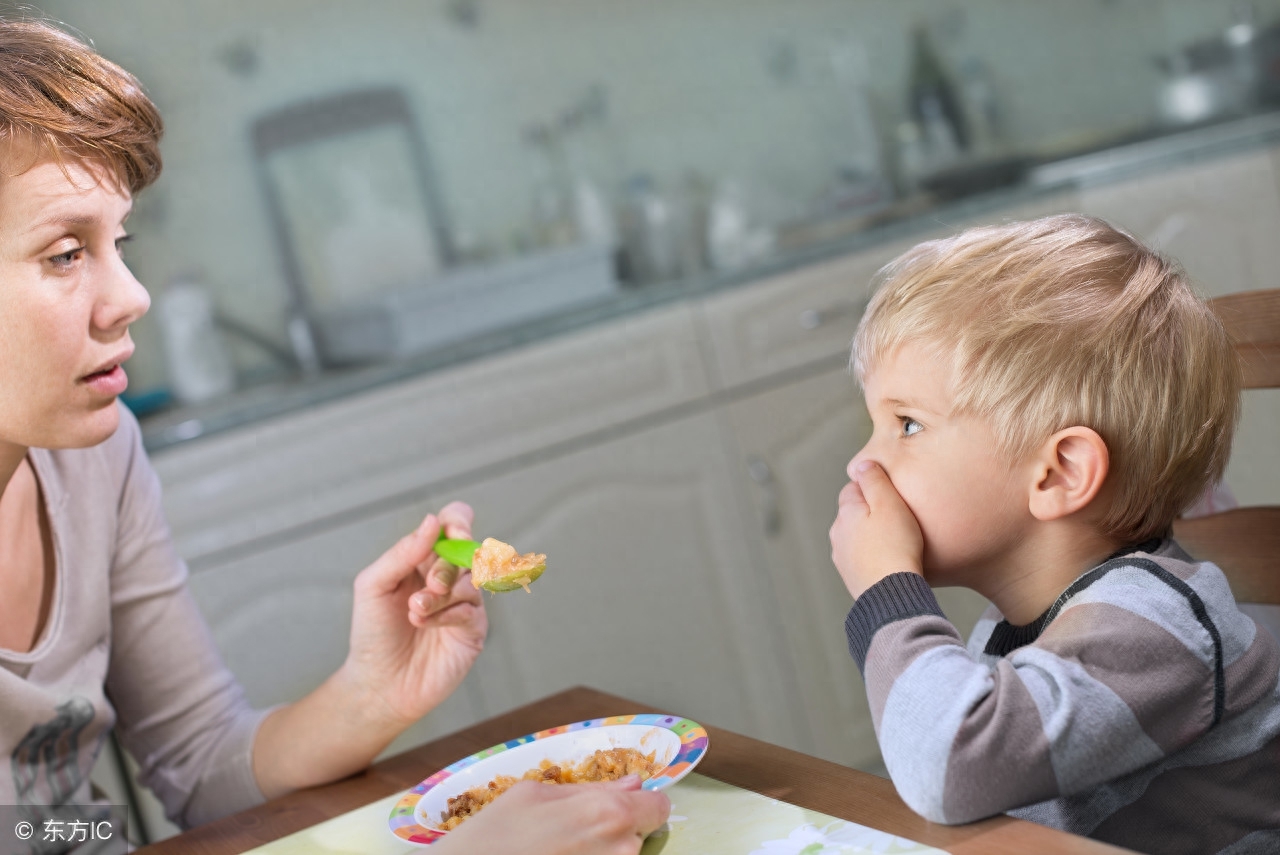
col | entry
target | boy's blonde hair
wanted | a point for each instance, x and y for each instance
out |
(1067, 321)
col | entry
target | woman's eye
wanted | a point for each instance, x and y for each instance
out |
(120, 242)
(910, 426)
(67, 258)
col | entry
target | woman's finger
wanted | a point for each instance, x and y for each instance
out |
(434, 597)
(650, 810)
(385, 574)
(456, 519)
(439, 576)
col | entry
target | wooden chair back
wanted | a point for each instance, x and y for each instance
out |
(1245, 542)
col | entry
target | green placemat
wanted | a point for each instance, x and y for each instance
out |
(707, 818)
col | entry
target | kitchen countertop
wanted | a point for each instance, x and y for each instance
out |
(831, 239)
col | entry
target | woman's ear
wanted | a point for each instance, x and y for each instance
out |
(1070, 469)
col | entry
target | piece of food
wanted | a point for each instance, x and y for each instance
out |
(497, 567)
(604, 765)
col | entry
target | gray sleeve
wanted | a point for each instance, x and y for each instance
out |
(893, 598)
(1102, 692)
(181, 713)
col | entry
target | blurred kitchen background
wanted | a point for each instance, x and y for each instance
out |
(593, 266)
(698, 137)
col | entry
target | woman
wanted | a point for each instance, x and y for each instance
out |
(97, 628)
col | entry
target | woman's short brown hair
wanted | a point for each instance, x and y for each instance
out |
(1068, 321)
(61, 100)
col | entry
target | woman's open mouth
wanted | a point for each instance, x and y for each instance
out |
(110, 381)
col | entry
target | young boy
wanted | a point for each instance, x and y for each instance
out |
(1046, 397)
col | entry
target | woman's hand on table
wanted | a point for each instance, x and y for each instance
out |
(418, 623)
(568, 819)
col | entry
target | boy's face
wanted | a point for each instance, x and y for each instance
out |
(66, 302)
(966, 497)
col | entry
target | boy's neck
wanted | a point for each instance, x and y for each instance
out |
(1045, 565)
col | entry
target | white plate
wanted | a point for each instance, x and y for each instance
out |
(677, 743)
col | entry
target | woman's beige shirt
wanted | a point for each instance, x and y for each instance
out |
(125, 647)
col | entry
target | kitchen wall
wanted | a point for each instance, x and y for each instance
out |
(756, 91)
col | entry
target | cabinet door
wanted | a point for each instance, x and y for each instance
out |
(808, 315)
(794, 444)
(1219, 218)
(650, 591)
(794, 319)
(237, 492)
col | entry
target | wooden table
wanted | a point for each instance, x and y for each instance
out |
(775, 772)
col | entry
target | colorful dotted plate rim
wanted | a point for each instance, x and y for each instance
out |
(693, 744)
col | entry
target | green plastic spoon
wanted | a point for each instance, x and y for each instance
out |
(460, 553)
(457, 552)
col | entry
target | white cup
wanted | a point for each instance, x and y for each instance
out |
(199, 368)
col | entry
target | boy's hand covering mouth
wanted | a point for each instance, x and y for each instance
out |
(875, 534)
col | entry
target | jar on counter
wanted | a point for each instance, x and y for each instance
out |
(650, 236)
(198, 365)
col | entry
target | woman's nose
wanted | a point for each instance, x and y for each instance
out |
(123, 300)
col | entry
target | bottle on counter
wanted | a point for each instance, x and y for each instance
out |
(913, 159)
(984, 109)
(933, 102)
(649, 236)
(734, 241)
(198, 365)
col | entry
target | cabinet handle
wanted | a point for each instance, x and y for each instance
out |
(771, 512)
(811, 319)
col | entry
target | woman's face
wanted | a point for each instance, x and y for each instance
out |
(66, 302)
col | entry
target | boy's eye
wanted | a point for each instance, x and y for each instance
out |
(910, 426)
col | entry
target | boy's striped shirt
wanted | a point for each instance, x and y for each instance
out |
(1143, 708)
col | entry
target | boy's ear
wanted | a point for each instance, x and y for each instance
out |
(1069, 471)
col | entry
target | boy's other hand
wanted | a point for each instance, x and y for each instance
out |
(875, 534)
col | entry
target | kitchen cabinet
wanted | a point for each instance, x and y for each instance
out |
(238, 492)
(787, 322)
(650, 587)
(1219, 218)
(618, 469)
(792, 445)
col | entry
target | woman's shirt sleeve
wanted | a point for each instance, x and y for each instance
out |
(181, 713)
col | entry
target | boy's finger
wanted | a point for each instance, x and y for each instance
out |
(851, 497)
(876, 488)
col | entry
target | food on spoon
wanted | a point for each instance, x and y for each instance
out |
(604, 765)
(497, 567)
